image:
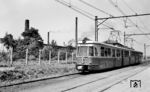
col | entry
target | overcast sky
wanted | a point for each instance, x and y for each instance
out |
(49, 15)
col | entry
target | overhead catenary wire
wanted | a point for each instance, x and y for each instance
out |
(83, 12)
(95, 7)
(129, 6)
(88, 15)
(116, 6)
(111, 14)
(138, 18)
(100, 10)
(135, 13)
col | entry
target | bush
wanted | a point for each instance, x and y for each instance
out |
(4, 56)
(12, 75)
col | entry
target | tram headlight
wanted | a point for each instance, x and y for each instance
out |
(79, 67)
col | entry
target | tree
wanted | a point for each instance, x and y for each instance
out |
(54, 48)
(32, 38)
(53, 43)
(70, 42)
(8, 41)
(33, 41)
(20, 50)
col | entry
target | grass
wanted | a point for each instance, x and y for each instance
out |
(34, 70)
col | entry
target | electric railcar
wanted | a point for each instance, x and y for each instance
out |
(93, 56)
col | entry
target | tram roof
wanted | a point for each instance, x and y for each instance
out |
(113, 44)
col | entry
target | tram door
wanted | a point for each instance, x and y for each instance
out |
(122, 60)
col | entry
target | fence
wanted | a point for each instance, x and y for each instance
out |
(42, 57)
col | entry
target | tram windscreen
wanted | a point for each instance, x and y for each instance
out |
(82, 51)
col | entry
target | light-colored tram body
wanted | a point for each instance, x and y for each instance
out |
(99, 56)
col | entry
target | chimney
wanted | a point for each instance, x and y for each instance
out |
(27, 24)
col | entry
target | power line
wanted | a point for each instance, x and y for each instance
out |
(133, 11)
(126, 16)
(83, 12)
(116, 6)
(88, 15)
(95, 7)
(92, 6)
(129, 7)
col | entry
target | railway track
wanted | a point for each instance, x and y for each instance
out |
(120, 74)
(43, 82)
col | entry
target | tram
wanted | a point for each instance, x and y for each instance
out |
(93, 56)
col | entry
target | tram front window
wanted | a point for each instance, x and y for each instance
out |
(82, 51)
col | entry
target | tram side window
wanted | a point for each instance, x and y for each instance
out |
(132, 53)
(118, 53)
(113, 53)
(106, 52)
(126, 53)
(102, 51)
(109, 52)
(96, 52)
(91, 51)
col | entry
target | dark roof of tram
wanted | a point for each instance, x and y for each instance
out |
(108, 42)
(115, 43)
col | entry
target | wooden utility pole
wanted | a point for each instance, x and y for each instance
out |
(48, 38)
(76, 32)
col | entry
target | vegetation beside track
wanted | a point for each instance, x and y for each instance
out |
(35, 71)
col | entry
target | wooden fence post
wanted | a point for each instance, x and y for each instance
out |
(27, 56)
(39, 57)
(11, 56)
(49, 57)
(72, 56)
(66, 57)
(58, 56)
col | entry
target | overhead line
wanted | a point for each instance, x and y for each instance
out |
(135, 13)
(80, 11)
(74, 8)
(128, 18)
(129, 7)
(95, 7)
(98, 10)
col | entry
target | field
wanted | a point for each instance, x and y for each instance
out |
(34, 70)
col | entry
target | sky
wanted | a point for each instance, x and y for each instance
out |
(51, 16)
